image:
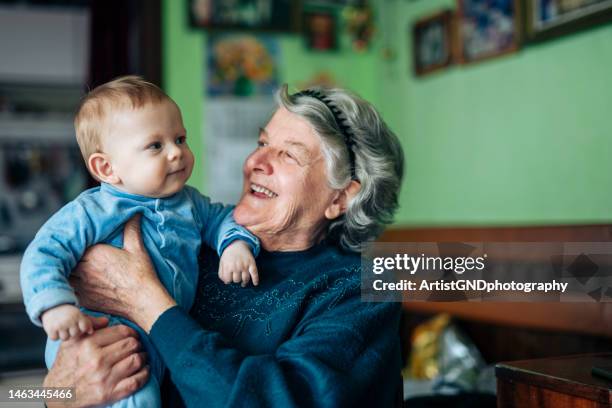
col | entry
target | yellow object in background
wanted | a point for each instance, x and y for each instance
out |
(423, 363)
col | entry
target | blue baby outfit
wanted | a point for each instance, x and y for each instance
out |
(173, 229)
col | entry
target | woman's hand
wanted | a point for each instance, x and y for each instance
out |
(122, 282)
(102, 367)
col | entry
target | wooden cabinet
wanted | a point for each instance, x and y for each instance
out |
(560, 382)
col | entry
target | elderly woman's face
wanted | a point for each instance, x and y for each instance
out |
(285, 191)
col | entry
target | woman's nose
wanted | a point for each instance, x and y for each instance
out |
(259, 161)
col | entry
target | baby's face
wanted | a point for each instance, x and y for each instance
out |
(148, 149)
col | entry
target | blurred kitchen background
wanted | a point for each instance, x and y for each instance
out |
(503, 110)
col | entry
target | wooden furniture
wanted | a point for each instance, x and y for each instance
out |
(515, 331)
(557, 382)
(585, 318)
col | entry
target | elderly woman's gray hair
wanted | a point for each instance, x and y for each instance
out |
(379, 160)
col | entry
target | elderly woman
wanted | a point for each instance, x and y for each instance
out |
(323, 179)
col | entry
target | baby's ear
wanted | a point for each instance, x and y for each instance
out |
(102, 169)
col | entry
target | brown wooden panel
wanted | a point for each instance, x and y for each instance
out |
(592, 318)
(574, 317)
(511, 394)
(555, 382)
(576, 233)
(511, 343)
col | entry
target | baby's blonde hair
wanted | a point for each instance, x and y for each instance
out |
(130, 91)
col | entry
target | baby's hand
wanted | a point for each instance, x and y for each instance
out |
(66, 321)
(238, 265)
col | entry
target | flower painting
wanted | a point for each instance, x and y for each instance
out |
(242, 65)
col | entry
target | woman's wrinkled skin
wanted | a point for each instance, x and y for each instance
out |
(289, 163)
(104, 367)
(101, 283)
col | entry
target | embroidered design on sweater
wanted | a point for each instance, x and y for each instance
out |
(218, 304)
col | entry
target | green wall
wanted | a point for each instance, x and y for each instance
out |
(522, 139)
(183, 51)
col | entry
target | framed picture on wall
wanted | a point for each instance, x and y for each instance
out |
(320, 30)
(262, 15)
(547, 19)
(432, 43)
(242, 64)
(487, 28)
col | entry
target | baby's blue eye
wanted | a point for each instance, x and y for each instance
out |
(181, 140)
(155, 146)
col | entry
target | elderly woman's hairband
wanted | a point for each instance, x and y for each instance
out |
(344, 128)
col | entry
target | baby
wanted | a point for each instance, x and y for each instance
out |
(132, 137)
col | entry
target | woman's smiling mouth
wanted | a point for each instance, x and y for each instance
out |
(261, 191)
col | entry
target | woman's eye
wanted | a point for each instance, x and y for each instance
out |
(261, 144)
(290, 156)
(181, 140)
(155, 146)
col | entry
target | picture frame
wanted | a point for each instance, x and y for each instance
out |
(242, 64)
(320, 30)
(433, 43)
(487, 29)
(250, 15)
(548, 19)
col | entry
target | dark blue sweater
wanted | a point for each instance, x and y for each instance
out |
(302, 337)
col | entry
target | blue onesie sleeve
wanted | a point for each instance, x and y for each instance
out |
(217, 224)
(51, 256)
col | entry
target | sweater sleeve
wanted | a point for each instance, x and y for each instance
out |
(346, 354)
